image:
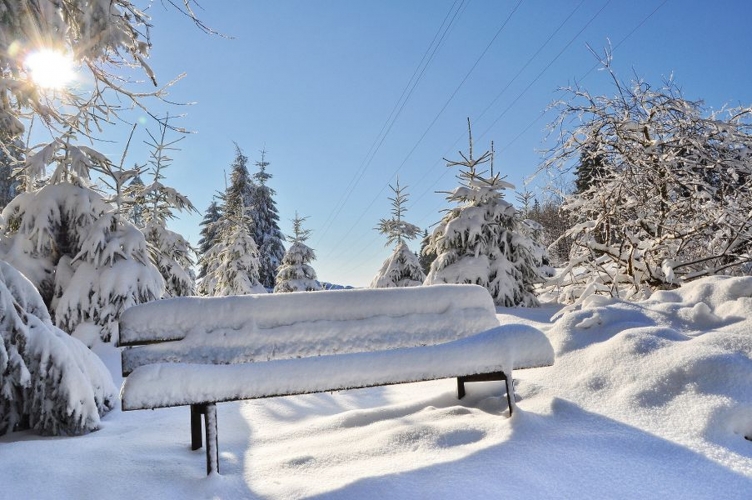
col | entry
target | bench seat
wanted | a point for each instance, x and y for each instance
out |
(501, 349)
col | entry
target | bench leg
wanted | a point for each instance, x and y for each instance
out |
(486, 377)
(212, 438)
(196, 412)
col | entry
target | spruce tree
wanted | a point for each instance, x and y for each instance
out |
(233, 262)
(267, 234)
(479, 241)
(296, 274)
(209, 231)
(168, 250)
(402, 268)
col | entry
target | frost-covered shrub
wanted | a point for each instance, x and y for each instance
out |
(88, 264)
(49, 381)
(663, 190)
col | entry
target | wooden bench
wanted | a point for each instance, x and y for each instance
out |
(201, 351)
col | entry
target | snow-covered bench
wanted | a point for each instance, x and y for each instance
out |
(201, 351)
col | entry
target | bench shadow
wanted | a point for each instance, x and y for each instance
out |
(570, 453)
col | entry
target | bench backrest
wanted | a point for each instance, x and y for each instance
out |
(239, 329)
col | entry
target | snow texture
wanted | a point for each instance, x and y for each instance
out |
(499, 349)
(652, 401)
(278, 326)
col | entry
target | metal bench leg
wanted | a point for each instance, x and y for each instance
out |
(460, 387)
(212, 439)
(510, 392)
(196, 412)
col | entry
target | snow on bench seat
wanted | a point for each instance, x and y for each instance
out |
(502, 348)
(241, 329)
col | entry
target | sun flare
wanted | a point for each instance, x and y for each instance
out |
(50, 69)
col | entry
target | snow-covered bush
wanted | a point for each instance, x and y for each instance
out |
(296, 274)
(49, 381)
(480, 241)
(663, 190)
(87, 263)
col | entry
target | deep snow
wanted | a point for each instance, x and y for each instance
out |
(646, 400)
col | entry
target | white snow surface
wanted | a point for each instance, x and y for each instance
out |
(499, 349)
(649, 399)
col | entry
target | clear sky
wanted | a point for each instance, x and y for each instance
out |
(326, 87)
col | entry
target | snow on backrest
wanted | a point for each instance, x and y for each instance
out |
(274, 326)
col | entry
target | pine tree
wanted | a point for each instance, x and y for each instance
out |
(233, 233)
(480, 242)
(402, 268)
(233, 261)
(426, 256)
(168, 250)
(209, 230)
(296, 274)
(267, 234)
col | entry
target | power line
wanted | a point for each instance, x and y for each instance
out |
(430, 126)
(412, 83)
(485, 110)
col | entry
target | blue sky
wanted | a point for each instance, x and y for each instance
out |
(315, 83)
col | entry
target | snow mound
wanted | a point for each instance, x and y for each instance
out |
(679, 362)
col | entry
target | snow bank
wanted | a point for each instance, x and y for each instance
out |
(499, 349)
(679, 364)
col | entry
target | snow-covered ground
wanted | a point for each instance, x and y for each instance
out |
(645, 400)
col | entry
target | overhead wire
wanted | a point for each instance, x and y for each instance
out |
(542, 114)
(399, 105)
(430, 126)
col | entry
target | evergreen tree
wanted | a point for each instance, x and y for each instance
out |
(402, 268)
(49, 381)
(233, 232)
(233, 261)
(426, 256)
(267, 234)
(480, 241)
(87, 261)
(209, 230)
(154, 206)
(296, 274)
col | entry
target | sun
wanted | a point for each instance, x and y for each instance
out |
(50, 69)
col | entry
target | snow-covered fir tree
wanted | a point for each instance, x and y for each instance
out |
(222, 276)
(169, 251)
(296, 274)
(208, 234)
(49, 382)
(233, 261)
(480, 241)
(267, 234)
(663, 193)
(402, 268)
(87, 261)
